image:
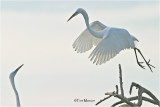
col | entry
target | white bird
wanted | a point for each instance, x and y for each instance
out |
(11, 77)
(109, 41)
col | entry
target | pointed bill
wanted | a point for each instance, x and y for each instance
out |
(18, 68)
(72, 16)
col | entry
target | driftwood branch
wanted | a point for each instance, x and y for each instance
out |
(126, 100)
(142, 90)
(120, 79)
(134, 98)
(123, 99)
(104, 99)
(116, 89)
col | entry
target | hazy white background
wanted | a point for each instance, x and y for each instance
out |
(37, 34)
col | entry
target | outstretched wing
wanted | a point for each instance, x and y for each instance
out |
(116, 40)
(86, 40)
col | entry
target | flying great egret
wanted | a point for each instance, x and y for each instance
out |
(109, 41)
(11, 77)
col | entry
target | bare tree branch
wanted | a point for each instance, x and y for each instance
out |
(135, 98)
(126, 100)
(143, 90)
(104, 99)
(120, 79)
(116, 89)
(120, 97)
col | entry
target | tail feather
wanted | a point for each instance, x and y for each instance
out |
(134, 38)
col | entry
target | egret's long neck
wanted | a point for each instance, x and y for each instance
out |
(91, 30)
(16, 93)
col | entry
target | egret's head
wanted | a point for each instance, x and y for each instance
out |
(12, 74)
(18, 68)
(79, 10)
(15, 72)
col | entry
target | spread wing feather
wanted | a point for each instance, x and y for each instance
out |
(85, 41)
(116, 40)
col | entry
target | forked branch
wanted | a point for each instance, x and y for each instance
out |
(123, 99)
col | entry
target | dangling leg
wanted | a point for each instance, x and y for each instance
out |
(139, 63)
(147, 62)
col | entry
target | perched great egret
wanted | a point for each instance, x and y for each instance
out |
(109, 41)
(11, 77)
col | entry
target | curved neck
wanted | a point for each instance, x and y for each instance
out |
(16, 93)
(95, 33)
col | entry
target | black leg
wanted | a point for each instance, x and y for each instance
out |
(147, 62)
(139, 63)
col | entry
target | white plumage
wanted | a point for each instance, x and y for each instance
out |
(109, 41)
(86, 40)
(115, 40)
(11, 77)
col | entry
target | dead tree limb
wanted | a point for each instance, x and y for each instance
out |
(142, 90)
(123, 99)
(135, 98)
(120, 79)
(104, 99)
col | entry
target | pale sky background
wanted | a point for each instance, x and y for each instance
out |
(37, 34)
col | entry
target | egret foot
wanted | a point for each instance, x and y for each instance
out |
(139, 63)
